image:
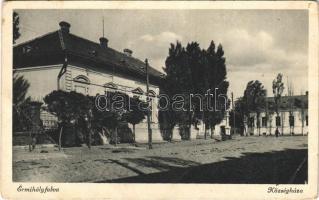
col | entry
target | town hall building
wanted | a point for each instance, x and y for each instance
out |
(90, 68)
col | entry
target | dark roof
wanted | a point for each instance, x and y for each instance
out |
(286, 102)
(52, 47)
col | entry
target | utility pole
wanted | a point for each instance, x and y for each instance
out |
(148, 110)
(234, 113)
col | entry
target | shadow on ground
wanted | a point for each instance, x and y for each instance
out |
(277, 167)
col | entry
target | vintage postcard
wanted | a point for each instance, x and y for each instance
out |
(159, 100)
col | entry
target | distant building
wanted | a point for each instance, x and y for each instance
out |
(292, 118)
(91, 68)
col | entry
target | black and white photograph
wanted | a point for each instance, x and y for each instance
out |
(170, 96)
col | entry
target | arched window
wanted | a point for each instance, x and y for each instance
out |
(151, 93)
(81, 84)
(110, 85)
(138, 91)
(82, 79)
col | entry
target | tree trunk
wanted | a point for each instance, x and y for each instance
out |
(204, 124)
(258, 124)
(60, 135)
(134, 133)
(282, 125)
(89, 139)
(302, 125)
(30, 141)
(270, 122)
(115, 132)
(212, 130)
(205, 135)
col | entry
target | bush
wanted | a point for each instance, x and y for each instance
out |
(184, 132)
(79, 117)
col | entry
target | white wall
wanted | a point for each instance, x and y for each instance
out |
(98, 79)
(285, 127)
(43, 80)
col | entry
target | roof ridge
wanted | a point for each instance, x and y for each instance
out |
(37, 38)
(116, 51)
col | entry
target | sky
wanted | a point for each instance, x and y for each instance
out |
(258, 44)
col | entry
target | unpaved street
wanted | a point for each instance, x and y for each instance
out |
(240, 160)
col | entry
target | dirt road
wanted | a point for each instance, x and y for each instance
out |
(240, 160)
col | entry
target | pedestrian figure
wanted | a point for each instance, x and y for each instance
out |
(277, 132)
(33, 142)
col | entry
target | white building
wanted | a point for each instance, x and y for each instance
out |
(292, 118)
(91, 68)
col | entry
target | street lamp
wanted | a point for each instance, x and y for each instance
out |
(149, 130)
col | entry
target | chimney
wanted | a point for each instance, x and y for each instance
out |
(128, 52)
(103, 42)
(65, 26)
(307, 93)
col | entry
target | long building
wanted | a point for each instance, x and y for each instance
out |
(292, 117)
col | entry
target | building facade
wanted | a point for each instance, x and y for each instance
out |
(62, 60)
(292, 118)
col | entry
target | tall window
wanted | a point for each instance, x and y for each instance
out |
(306, 120)
(251, 122)
(81, 84)
(278, 121)
(291, 120)
(110, 87)
(264, 121)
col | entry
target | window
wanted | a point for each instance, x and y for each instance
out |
(111, 85)
(291, 120)
(81, 84)
(82, 79)
(264, 121)
(138, 91)
(26, 49)
(80, 89)
(251, 122)
(278, 121)
(151, 93)
(306, 120)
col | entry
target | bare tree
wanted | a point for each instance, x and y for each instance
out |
(277, 89)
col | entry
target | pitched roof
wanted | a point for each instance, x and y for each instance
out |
(286, 103)
(51, 48)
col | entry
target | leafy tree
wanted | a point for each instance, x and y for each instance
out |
(217, 75)
(239, 120)
(209, 73)
(117, 104)
(135, 115)
(20, 103)
(277, 89)
(241, 110)
(198, 67)
(20, 89)
(71, 109)
(16, 29)
(166, 119)
(254, 97)
(178, 81)
(193, 70)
